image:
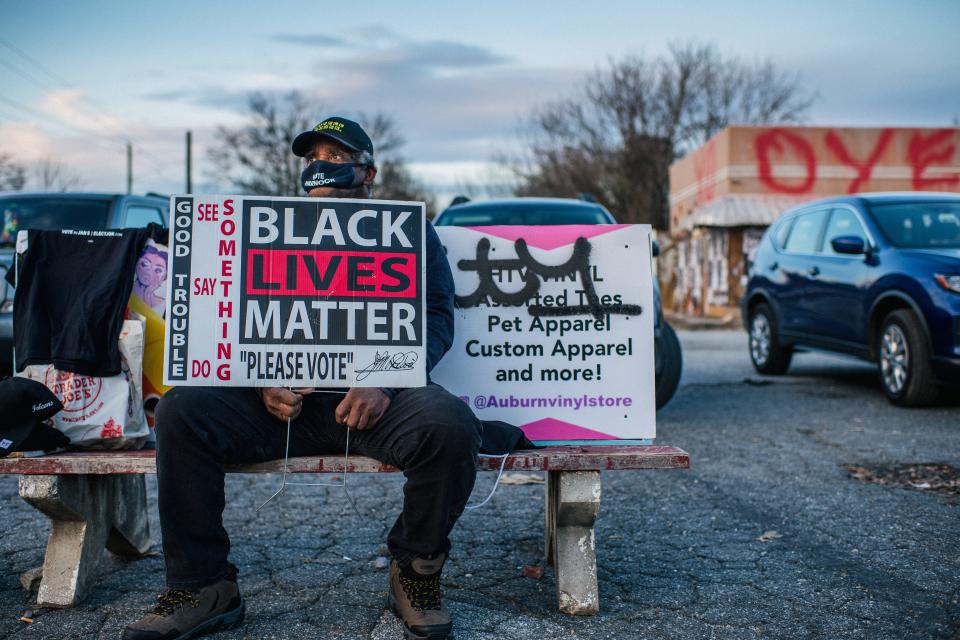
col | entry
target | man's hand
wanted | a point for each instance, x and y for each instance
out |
(362, 408)
(282, 403)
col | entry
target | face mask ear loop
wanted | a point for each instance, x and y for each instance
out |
(496, 483)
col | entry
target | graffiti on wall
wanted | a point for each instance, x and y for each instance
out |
(924, 151)
(704, 167)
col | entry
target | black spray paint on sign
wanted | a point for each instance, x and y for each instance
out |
(532, 271)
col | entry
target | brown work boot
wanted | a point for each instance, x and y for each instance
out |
(415, 599)
(181, 614)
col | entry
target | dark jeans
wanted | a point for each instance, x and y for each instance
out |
(427, 432)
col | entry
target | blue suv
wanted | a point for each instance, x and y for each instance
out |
(876, 276)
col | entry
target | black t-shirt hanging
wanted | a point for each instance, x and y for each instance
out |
(71, 296)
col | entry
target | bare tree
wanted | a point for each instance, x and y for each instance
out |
(394, 180)
(50, 175)
(256, 158)
(13, 175)
(490, 186)
(617, 139)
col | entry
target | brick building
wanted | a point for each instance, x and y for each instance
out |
(725, 194)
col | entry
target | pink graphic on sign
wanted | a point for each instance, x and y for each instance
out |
(553, 429)
(550, 237)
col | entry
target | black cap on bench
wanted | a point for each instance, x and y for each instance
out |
(24, 405)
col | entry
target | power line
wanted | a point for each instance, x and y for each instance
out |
(54, 76)
(74, 131)
(17, 105)
(82, 133)
(23, 74)
(95, 118)
(60, 80)
(23, 54)
(86, 134)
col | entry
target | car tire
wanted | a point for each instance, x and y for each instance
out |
(766, 353)
(668, 378)
(903, 360)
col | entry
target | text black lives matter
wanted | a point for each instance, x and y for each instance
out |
(318, 275)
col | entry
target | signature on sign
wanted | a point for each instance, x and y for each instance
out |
(387, 362)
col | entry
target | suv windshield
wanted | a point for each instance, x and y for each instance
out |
(920, 225)
(51, 213)
(481, 215)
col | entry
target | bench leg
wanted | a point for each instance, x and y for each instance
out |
(88, 513)
(572, 504)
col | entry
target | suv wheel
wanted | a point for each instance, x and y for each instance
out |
(670, 358)
(903, 358)
(767, 355)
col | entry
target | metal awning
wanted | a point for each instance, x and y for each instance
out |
(740, 211)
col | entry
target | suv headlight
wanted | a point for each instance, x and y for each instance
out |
(950, 282)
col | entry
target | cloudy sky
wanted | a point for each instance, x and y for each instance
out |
(79, 79)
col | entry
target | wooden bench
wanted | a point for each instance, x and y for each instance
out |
(98, 500)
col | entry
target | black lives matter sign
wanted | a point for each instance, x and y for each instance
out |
(296, 292)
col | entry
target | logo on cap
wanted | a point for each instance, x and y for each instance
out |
(5, 444)
(330, 124)
(40, 406)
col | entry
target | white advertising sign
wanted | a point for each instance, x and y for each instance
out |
(299, 292)
(554, 329)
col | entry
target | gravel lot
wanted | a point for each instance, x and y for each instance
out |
(679, 551)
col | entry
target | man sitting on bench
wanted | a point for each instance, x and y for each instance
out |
(427, 432)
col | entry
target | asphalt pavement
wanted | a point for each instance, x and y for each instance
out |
(766, 536)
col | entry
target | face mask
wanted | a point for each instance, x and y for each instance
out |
(321, 173)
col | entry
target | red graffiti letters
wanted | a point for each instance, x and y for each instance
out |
(795, 153)
(704, 166)
(925, 151)
(774, 141)
(864, 169)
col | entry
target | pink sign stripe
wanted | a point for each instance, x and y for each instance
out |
(553, 429)
(549, 236)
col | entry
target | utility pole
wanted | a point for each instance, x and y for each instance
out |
(129, 168)
(189, 161)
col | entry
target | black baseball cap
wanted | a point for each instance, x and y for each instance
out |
(24, 404)
(346, 132)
